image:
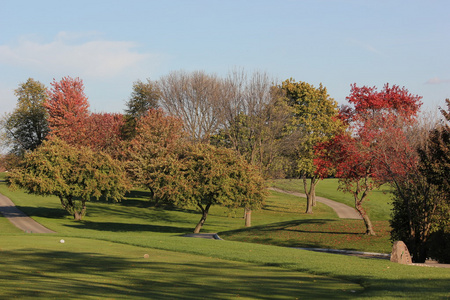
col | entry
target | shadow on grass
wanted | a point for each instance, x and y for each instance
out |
(45, 212)
(305, 233)
(127, 227)
(38, 273)
(67, 274)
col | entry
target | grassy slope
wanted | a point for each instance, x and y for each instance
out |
(131, 222)
(378, 204)
(321, 230)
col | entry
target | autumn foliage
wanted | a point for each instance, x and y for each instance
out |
(68, 110)
(70, 119)
(375, 148)
(187, 174)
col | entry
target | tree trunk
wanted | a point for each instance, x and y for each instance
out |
(248, 217)
(77, 216)
(309, 204)
(363, 214)
(312, 191)
(203, 218)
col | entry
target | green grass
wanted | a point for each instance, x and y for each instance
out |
(106, 250)
(40, 266)
(378, 204)
(321, 230)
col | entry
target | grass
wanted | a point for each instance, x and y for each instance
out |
(92, 269)
(106, 250)
(320, 230)
(378, 204)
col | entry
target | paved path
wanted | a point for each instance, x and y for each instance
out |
(343, 211)
(19, 218)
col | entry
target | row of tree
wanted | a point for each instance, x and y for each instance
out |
(86, 155)
(187, 125)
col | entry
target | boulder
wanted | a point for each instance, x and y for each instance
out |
(400, 253)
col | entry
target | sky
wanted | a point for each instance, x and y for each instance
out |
(111, 44)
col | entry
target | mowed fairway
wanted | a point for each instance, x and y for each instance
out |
(40, 266)
(103, 255)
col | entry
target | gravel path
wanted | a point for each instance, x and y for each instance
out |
(19, 218)
(343, 211)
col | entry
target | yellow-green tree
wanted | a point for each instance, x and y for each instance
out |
(208, 175)
(74, 174)
(314, 120)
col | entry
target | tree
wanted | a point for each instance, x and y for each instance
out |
(145, 96)
(254, 118)
(420, 208)
(374, 150)
(185, 174)
(68, 110)
(73, 174)
(103, 132)
(71, 120)
(314, 120)
(203, 175)
(421, 212)
(437, 166)
(26, 127)
(196, 99)
(152, 148)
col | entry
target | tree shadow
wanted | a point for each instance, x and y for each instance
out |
(69, 274)
(44, 212)
(293, 233)
(128, 227)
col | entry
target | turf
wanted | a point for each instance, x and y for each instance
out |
(134, 227)
(40, 266)
(378, 204)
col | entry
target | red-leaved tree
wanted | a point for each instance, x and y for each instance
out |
(375, 148)
(70, 119)
(68, 110)
(104, 132)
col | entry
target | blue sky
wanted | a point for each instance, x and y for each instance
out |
(110, 44)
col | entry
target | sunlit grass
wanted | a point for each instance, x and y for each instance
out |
(41, 266)
(378, 204)
(135, 222)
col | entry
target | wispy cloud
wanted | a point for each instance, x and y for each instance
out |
(83, 54)
(437, 80)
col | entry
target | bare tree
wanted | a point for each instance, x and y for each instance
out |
(250, 107)
(196, 98)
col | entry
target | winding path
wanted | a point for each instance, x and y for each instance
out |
(19, 219)
(343, 211)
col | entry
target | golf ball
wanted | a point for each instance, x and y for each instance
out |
(62, 241)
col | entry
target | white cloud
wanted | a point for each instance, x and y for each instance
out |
(70, 53)
(437, 80)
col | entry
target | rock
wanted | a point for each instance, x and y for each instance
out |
(400, 253)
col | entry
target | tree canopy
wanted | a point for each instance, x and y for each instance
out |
(26, 127)
(204, 175)
(68, 110)
(145, 96)
(73, 174)
(314, 119)
(374, 149)
(190, 175)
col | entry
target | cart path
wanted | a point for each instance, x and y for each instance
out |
(343, 211)
(19, 219)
